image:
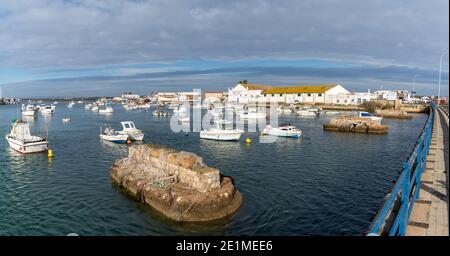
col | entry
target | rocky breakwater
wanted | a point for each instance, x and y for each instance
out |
(177, 184)
(393, 113)
(355, 124)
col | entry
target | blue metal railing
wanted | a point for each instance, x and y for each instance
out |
(392, 218)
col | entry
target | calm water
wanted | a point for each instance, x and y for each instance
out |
(327, 183)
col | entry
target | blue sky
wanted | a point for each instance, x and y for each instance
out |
(93, 48)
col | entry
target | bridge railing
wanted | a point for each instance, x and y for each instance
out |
(392, 218)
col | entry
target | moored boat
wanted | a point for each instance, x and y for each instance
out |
(110, 134)
(223, 131)
(130, 129)
(28, 110)
(21, 140)
(284, 130)
(367, 115)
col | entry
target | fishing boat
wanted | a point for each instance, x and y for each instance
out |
(223, 131)
(284, 130)
(367, 115)
(28, 110)
(47, 109)
(106, 110)
(110, 134)
(130, 129)
(21, 140)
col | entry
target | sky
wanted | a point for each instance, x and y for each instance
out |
(65, 48)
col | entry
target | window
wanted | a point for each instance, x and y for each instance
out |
(309, 94)
(320, 94)
(299, 94)
(273, 95)
(337, 101)
(127, 126)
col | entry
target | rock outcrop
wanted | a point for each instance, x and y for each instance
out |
(393, 113)
(355, 124)
(177, 184)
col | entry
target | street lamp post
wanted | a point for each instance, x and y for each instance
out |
(440, 70)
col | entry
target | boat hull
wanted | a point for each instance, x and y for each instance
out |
(27, 148)
(119, 138)
(28, 113)
(232, 136)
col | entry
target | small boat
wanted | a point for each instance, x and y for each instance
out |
(66, 120)
(110, 135)
(106, 110)
(28, 110)
(130, 129)
(223, 131)
(284, 130)
(55, 103)
(47, 109)
(306, 112)
(367, 115)
(71, 104)
(160, 113)
(252, 114)
(94, 108)
(80, 102)
(21, 140)
(88, 106)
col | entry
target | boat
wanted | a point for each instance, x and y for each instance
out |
(327, 112)
(367, 115)
(94, 108)
(110, 134)
(80, 102)
(55, 103)
(284, 130)
(160, 113)
(106, 110)
(66, 120)
(70, 105)
(306, 112)
(223, 131)
(21, 140)
(130, 129)
(28, 110)
(47, 109)
(88, 106)
(252, 114)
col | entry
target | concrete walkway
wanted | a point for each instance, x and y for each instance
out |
(429, 216)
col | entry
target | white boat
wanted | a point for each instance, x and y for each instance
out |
(223, 131)
(80, 102)
(21, 140)
(88, 106)
(55, 103)
(252, 114)
(367, 115)
(306, 112)
(160, 113)
(94, 108)
(47, 109)
(71, 104)
(110, 135)
(284, 130)
(130, 129)
(28, 110)
(66, 120)
(106, 110)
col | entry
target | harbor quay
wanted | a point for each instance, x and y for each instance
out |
(223, 163)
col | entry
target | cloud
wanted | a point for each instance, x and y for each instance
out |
(52, 34)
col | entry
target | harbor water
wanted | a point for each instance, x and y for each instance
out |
(326, 183)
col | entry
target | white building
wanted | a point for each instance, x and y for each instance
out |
(394, 95)
(244, 93)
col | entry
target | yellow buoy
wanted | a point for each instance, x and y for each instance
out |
(50, 153)
(248, 140)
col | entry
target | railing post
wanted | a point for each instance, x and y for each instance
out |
(406, 189)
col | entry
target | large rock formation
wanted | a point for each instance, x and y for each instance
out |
(355, 124)
(393, 113)
(177, 184)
